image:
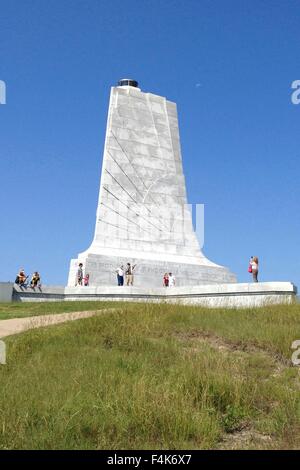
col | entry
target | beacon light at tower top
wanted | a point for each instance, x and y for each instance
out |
(128, 82)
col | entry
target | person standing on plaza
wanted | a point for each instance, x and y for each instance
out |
(120, 275)
(166, 280)
(171, 280)
(129, 274)
(79, 276)
(254, 265)
(86, 280)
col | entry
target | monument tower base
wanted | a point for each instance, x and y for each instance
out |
(149, 273)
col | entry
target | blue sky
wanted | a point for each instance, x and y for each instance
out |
(229, 67)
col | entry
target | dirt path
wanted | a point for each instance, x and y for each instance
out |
(18, 325)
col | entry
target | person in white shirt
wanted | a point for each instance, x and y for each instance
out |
(171, 280)
(254, 264)
(120, 275)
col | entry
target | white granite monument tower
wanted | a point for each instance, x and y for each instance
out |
(142, 215)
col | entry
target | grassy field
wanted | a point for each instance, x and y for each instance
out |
(153, 377)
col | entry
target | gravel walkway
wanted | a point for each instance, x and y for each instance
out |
(18, 325)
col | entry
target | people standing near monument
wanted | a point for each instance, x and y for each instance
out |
(166, 280)
(171, 280)
(129, 274)
(120, 275)
(79, 275)
(86, 280)
(254, 265)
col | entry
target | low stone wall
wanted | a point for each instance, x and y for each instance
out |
(39, 294)
(6, 291)
(221, 295)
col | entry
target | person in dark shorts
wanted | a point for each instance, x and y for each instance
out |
(120, 275)
(35, 279)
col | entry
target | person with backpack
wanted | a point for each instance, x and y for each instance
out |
(253, 268)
